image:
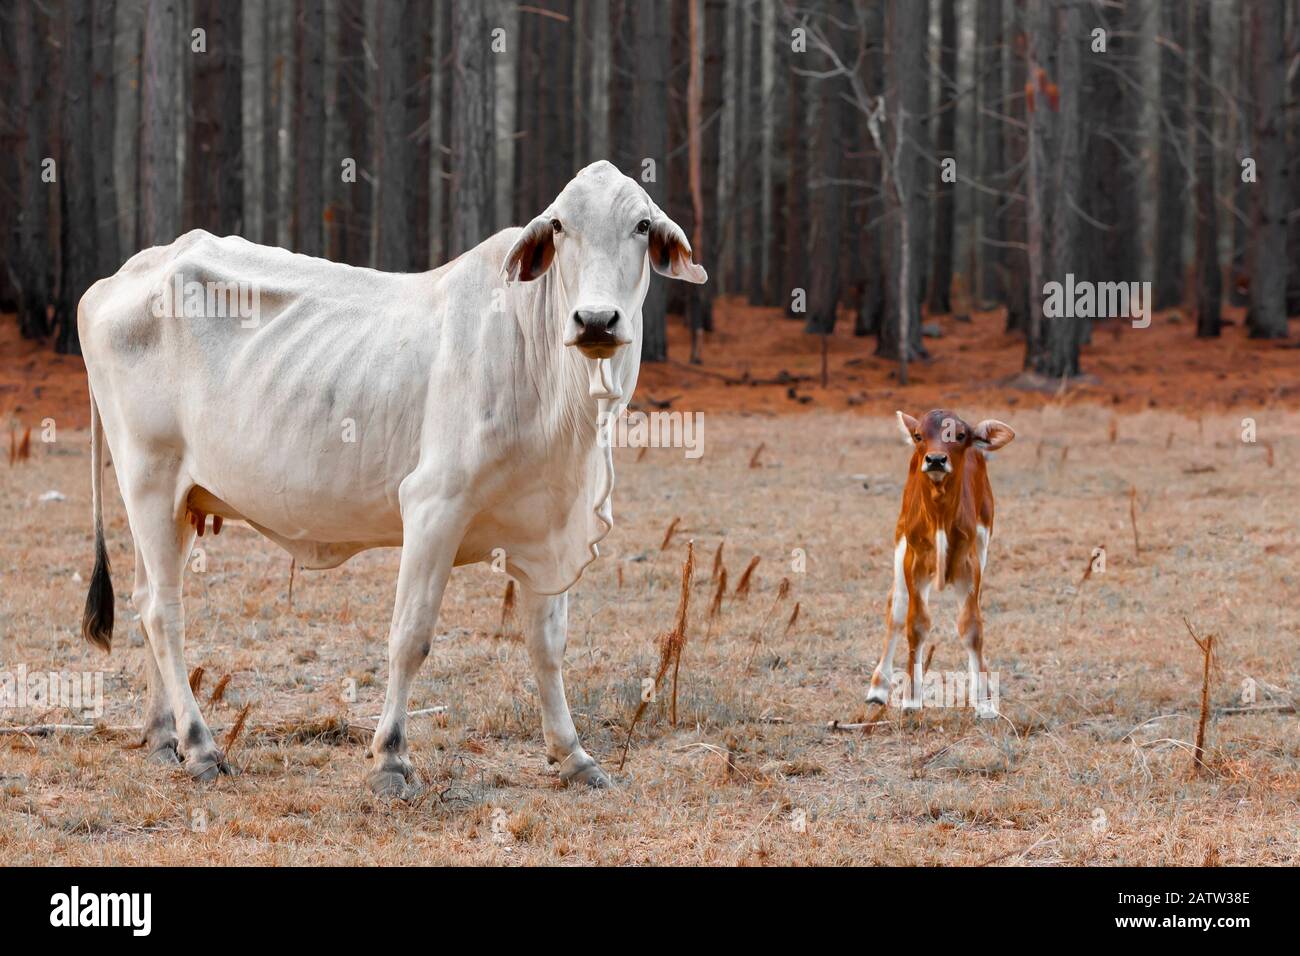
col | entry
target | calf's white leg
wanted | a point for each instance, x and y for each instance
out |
(546, 624)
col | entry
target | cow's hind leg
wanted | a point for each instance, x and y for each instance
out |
(429, 548)
(159, 730)
(546, 624)
(155, 504)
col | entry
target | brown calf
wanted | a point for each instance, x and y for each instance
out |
(942, 538)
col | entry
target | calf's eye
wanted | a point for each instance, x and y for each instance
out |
(916, 436)
(643, 227)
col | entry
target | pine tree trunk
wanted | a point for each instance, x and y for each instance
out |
(827, 122)
(651, 35)
(309, 128)
(944, 142)
(76, 175)
(1171, 198)
(392, 143)
(988, 44)
(1018, 291)
(103, 113)
(705, 145)
(34, 265)
(1209, 277)
(1271, 199)
(159, 173)
(472, 160)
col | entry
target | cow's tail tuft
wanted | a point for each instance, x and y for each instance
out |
(97, 622)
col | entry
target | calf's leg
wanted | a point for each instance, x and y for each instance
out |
(970, 628)
(895, 622)
(546, 623)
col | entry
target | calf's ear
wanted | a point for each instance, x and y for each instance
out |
(909, 426)
(532, 253)
(670, 253)
(991, 434)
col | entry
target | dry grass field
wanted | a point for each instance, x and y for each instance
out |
(1100, 683)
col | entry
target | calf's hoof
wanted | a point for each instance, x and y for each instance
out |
(581, 770)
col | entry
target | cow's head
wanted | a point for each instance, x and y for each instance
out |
(597, 236)
(941, 438)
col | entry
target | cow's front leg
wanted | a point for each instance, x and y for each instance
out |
(429, 548)
(546, 626)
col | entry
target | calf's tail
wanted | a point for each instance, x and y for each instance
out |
(97, 621)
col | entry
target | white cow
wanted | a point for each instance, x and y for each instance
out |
(451, 413)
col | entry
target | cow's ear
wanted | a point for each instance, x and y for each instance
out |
(909, 427)
(991, 434)
(670, 253)
(532, 253)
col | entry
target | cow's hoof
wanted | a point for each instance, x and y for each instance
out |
(388, 784)
(585, 772)
(164, 755)
(209, 767)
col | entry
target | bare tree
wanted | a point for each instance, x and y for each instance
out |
(103, 113)
(309, 128)
(392, 144)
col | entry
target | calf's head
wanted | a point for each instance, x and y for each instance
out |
(940, 439)
(597, 239)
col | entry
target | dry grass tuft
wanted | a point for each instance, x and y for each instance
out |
(746, 579)
(668, 535)
(717, 562)
(670, 649)
(507, 612)
(196, 680)
(236, 729)
(219, 692)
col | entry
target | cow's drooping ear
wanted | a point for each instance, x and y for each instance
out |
(532, 253)
(991, 434)
(670, 253)
(910, 428)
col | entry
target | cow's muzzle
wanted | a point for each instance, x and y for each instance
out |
(597, 333)
(936, 466)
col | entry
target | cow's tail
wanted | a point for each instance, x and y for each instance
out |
(97, 622)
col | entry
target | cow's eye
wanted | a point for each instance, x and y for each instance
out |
(643, 227)
(555, 226)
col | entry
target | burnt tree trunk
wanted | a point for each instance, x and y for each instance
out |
(1018, 290)
(159, 174)
(826, 193)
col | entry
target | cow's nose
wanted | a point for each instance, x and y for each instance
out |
(936, 461)
(596, 321)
